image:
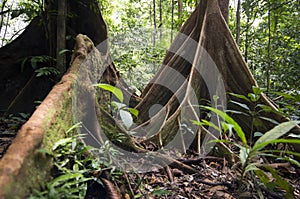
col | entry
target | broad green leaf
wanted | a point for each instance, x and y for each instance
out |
(230, 120)
(61, 142)
(134, 111)
(244, 106)
(241, 97)
(228, 127)
(65, 177)
(265, 108)
(250, 167)
(285, 95)
(253, 97)
(116, 91)
(269, 120)
(257, 90)
(75, 126)
(291, 160)
(126, 118)
(244, 153)
(263, 144)
(118, 105)
(262, 176)
(206, 123)
(282, 183)
(274, 134)
(258, 134)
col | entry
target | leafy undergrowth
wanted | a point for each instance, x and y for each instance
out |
(265, 166)
(9, 127)
(77, 173)
(216, 179)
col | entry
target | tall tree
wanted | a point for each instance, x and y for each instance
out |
(160, 19)
(154, 31)
(238, 22)
(189, 75)
(36, 42)
(268, 66)
(2, 13)
(172, 18)
(61, 36)
(224, 5)
(180, 13)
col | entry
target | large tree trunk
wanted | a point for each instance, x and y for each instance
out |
(203, 62)
(20, 87)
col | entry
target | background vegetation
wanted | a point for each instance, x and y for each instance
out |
(267, 32)
(141, 32)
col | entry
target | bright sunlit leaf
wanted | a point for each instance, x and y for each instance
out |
(116, 91)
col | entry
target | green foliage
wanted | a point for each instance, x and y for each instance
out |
(270, 42)
(74, 164)
(30, 9)
(136, 47)
(253, 109)
(36, 61)
(249, 154)
(116, 91)
(289, 103)
(120, 109)
(46, 71)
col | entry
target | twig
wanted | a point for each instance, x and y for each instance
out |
(169, 173)
(129, 185)
(199, 160)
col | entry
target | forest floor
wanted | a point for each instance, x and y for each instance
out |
(215, 179)
(9, 127)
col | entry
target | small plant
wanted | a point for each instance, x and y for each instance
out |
(289, 103)
(251, 155)
(253, 109)
(46, 71)
(41, 71)
(125, 113)
(74, 166)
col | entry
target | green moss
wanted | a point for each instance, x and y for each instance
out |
(35, 171)
(33, 174)
(60, 124)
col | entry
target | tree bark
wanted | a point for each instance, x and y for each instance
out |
(224, 5)
(268, 68)
(238, 22)
(160, 19)
(61, 36)
(2, 14)
(203, 62)
(38, 41)
(180, 10)
(172, 19)
(154, 31)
